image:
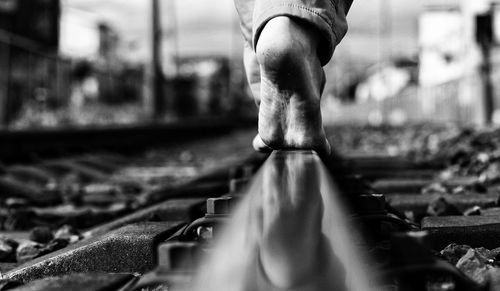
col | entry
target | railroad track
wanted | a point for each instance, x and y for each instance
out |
(409, 233)
(32, 145)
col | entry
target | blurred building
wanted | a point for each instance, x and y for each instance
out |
(29, 40)
(32, 21)
(208, 86)
(454, 67)
(386, 80)
(79, 33)
(451, 73)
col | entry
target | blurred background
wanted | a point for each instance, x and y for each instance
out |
(67, 63)
(114, 112)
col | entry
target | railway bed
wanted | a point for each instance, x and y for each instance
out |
(441, 241)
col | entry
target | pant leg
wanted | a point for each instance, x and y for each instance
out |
(328, 16)
(255, 13)
(245, 10)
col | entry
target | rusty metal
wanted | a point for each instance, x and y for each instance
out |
(218, 210)
(219, 206)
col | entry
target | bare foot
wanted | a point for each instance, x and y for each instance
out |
(292, 210)
(294, 253)
(290, 88)
(252, 71)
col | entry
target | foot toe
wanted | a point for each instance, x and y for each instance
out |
(260, 146)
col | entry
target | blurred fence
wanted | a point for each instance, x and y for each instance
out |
(40, 89)
(27, 73)
(37, 88)
(458, 101)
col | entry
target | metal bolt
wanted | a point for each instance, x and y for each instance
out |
(177, 255)
(219, 206)
(243, 171)
(237, 185)
(205, 233)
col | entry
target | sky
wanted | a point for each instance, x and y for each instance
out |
(211, 27)
(203, 27)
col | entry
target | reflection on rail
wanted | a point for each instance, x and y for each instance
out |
(290, 231)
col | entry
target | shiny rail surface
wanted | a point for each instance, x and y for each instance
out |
(270, 215)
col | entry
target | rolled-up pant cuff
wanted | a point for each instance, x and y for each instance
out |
(328, 19)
